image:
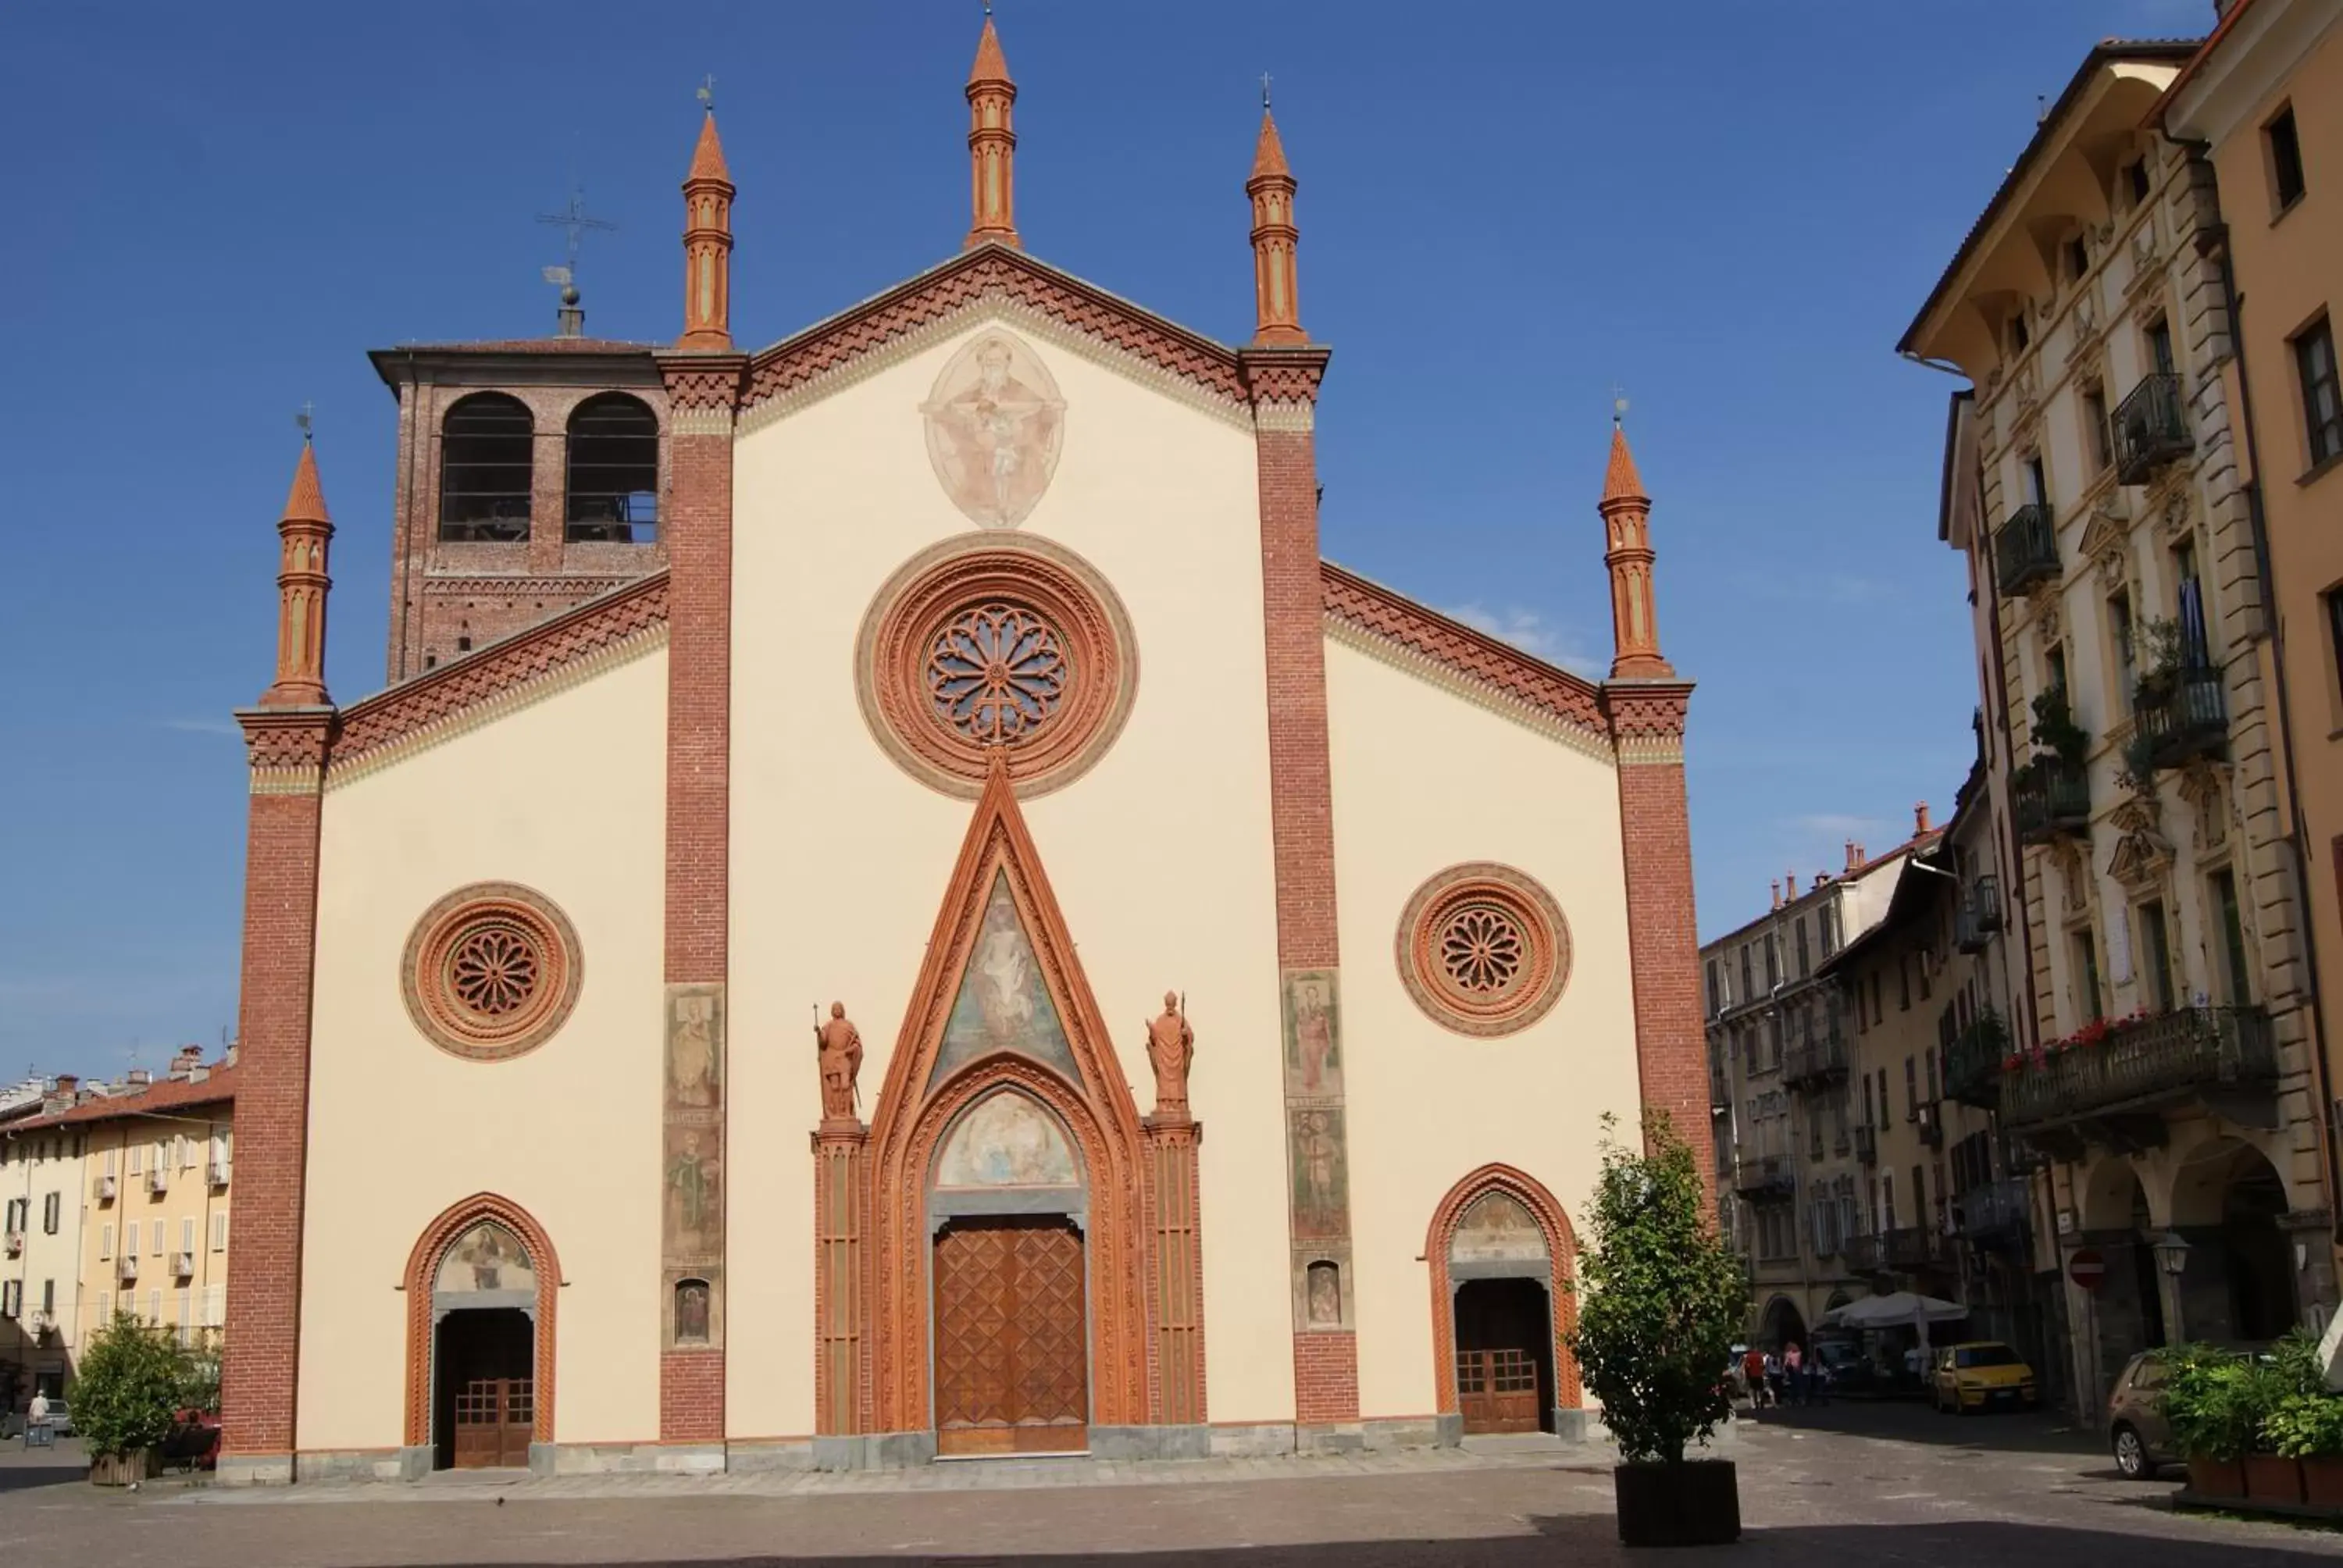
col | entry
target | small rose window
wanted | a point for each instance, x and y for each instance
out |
(1484, 950)
(490, 972)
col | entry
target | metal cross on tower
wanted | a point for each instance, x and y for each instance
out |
(576, 221)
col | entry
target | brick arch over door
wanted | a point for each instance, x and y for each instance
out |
(423, 1267)
(1562, 1267)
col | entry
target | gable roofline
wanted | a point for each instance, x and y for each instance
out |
(2106, 52)
(169, 1094)
(2213, 40)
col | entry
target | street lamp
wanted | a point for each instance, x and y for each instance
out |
(2172, 1253)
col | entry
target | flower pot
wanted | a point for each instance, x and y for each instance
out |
(2216, 1478)
(2322, 1480)
(1695, 1503)
(122, 1469)
(2273, 1478)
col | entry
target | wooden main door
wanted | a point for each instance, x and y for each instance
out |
(495, 1417)
(1011, 1349)
(1504, 1349)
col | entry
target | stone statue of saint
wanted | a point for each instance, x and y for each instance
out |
(1171, 1047)
(839, 1045)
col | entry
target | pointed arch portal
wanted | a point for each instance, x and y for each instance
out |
(481, 1284)
(1503, 1256)
(988, 1239)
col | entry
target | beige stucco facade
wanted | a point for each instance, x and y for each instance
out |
(563, 794)
(41, 1328)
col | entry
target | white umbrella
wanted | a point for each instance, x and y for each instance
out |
(1895, 1310)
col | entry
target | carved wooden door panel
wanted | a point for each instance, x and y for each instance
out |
(495, 1417)
(1012, 1351)
(1497, 1391)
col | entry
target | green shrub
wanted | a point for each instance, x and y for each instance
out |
(129, 1387)
(2305, 1426)
(1662, 1299)
(2216, 1402)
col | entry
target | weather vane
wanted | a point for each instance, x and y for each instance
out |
(707, 93)
(574, 221)
(1264, 91)
(1618, 404)
(303, 419)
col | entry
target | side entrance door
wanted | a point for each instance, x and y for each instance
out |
(494, 1419)
(1497, 1391)
(1011, 1349)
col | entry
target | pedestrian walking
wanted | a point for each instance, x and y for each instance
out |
(36, 1419)
(1793, 1372)
(1753, 1376)
(1773, 1378)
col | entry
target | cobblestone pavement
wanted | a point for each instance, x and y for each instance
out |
(1852, 1486)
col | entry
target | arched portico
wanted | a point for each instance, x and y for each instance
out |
(1497, 1242)
(442, 1280)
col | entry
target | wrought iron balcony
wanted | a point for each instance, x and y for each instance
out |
(2151, 428)
(1764, 1176)
(2049, 797)
(2223, 1058)
(1979, 916)
(1931, 1119)
(1817, 1060)
(1995, 1215)
(1914, 1247)
(1867, 1145)
(1865, 1254)
(1973, 1065)
(2187, 717)
(2025, 550)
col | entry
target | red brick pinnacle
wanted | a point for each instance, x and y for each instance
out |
(1627, 551)
(991, 145)
(1620, 481)
(707, 158)
(1269, 153)
(304, 534)
(1276, 275)
(307, 503)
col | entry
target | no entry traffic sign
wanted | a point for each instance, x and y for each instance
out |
(2086, 1268)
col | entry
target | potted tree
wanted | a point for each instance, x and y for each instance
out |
(2215, 1402)
(124, 1398)
(1661, 1298)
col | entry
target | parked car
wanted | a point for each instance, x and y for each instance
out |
(2136, 1433)
(60, 1418)
(1981, 1374)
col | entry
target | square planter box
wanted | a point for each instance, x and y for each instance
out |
(122, 1469)
(2322, 1480)
(1695, 1503)
(2216, 1478)
(2270, 1478)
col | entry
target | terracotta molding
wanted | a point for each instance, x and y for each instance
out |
(912, 1114)
(422, 1268)
(523, 667)
(1570, 700)
(991, 273)
(520, 916)
(1647, 719)
(1562, 1259)
(1541, 930)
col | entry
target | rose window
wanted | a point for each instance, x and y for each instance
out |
(995, 648)
(996, 672)
(494, 972)
(1484, 950)
(490, 972)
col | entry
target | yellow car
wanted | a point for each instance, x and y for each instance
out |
(1981, 1374)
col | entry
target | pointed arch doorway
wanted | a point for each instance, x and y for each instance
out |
(1503, 1254)
(480, 1289)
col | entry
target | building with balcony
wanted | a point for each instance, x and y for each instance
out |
(2263, 102)
(2131, 732)
(1781, 1062)
(40, 1249)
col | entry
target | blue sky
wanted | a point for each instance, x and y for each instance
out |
(1732, 208)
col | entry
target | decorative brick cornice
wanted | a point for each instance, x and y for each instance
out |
(1283, 375)
(1647, 719)
(517, 585)
(288, 748)
(990, 273)
(703, 390)
(1554, 694)
(445, 701)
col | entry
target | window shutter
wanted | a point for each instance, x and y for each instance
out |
(158, 1238)
(105, 1308)
(154, 1306)
(186, 1303)
(138, 1158)
(106, 1244)
(188, 1234)
(110, 1155)
(130, 1240)
(219, 1232)
(214, 1306)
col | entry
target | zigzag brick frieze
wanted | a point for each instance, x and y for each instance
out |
(1376, 608)
(990, 272)
(499, 670)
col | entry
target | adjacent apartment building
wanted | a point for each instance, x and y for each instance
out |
(2164, 1064)
(116, 1200)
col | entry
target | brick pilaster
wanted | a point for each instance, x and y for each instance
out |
(262, 1343)
(703, 390)
(1282, 383)
(1175, 1286)
(838, 1289)
(1647, 725)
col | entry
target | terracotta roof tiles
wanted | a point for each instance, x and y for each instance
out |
(1620, 480)
(306, 504)
(992, 64)
(1269, 155)
(707, 158)
(169, 1094)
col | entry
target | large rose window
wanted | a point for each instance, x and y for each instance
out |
(490, 972)
(1484, 950)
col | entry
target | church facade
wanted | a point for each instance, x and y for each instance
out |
(923, 917)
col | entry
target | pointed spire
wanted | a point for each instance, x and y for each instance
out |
(303, 533)
(1627, 552)
(991, 144)
(708, 194)
(1276, 278)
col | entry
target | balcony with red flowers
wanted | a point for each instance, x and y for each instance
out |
(2111, 1082)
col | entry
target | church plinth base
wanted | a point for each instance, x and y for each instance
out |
(255, 1470)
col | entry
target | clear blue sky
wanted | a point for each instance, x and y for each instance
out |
(1730, 207)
